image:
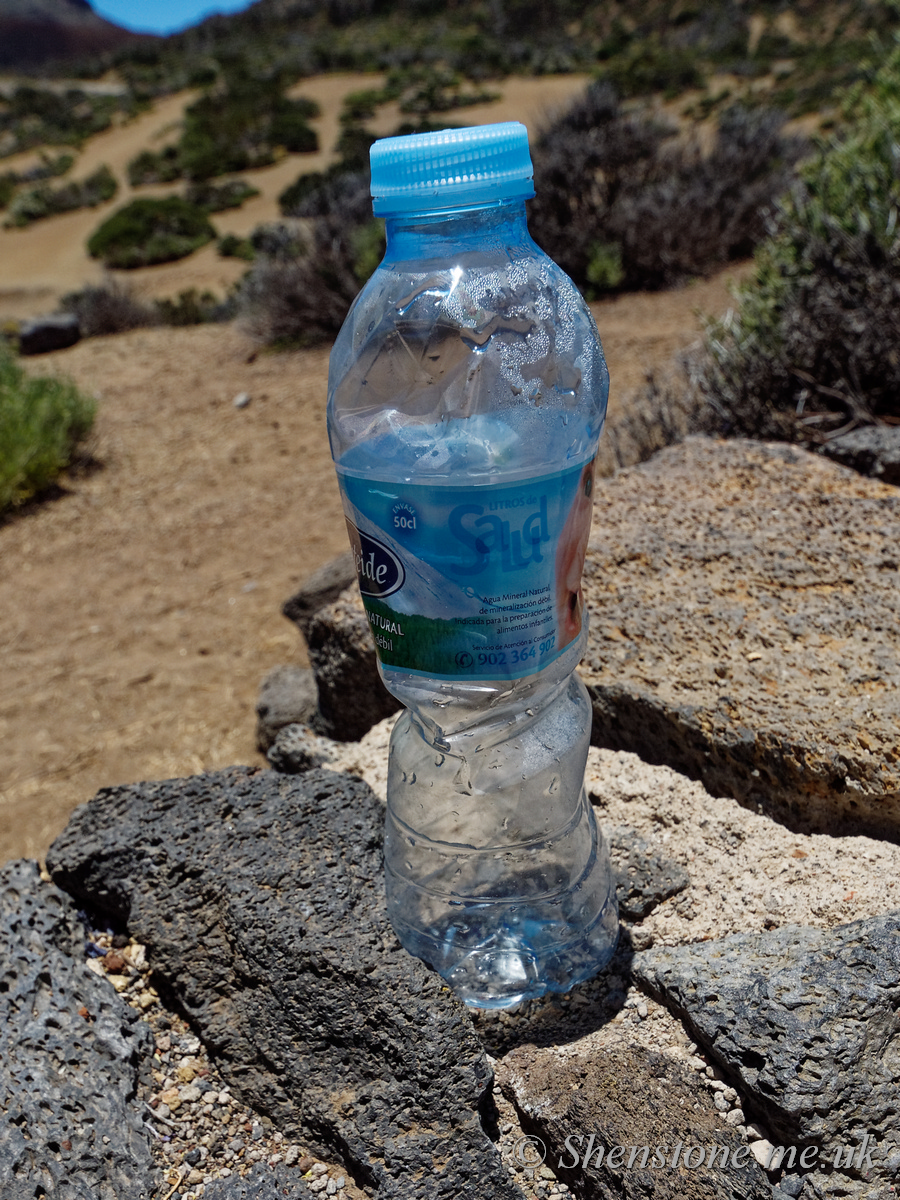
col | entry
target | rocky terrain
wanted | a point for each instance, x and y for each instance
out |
(740, 1043)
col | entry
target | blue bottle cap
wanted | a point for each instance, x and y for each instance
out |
(452, 168)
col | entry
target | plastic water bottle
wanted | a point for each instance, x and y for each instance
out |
(467, 393)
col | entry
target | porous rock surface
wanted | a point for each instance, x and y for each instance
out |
(745, 629)
(630, 1098)
(70, 1055)
(806, 1024)
(352, 697)
(258, 897)
(287, 696)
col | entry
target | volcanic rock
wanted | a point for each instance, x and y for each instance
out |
(258, 897)
(71, 1053)
(805, 1021)
(745, 629)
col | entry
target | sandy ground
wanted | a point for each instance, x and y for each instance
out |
(43, 261)
(140, 609)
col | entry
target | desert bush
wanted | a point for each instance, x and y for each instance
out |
(303, 298)
(45, 201)
(651, 65)
(217, 197)
(108, 307)
(243, 123)
(623, 201)
(232, 246)
(42, 420)
(150, 231)
(155, 166)
(194, 308)
(812, 349)
(37, 116)
(278, 240)
(8, 183)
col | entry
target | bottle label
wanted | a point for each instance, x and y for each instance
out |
(471, 581)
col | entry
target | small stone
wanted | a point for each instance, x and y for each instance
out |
(318, 1169)
(331, 1188)
(340, 1182)
(172, 1097)
(195, 1177)
(119, 982)
(192, 1157)
(735, 1117)
(643, 1011)
(186, 1074)
(114, 962)
(146, 1000)
(190, 1094)
(241, 400)
(761, 1151)
(792, 1185)
(546, 1173)
(164, 1043)
(721, 1103)
(754, 1132)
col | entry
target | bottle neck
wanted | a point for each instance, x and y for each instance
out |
(419, 236)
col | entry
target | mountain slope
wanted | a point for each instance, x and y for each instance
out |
(33, 32)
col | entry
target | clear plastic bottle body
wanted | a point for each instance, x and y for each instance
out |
(470, 360)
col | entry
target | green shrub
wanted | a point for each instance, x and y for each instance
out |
(193, 308)
(150, 231)
(42, 420)
(8, 183)
(155, 166)
(45, 201)
(652, 66)
(243, 124)
(217, 197)
(232, 246)
(813, 347)
(37, 116)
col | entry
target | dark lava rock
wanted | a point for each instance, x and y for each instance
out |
(259, 898)
(629, 1097)
(352, 697)
(323, 587)
(297, 748)
(745, 629)
(806, 1019)
(643, 879)
(71, 1053)
(57, 331)
(287, 696)
(873, 450)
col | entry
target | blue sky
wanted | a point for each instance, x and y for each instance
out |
(162, 16)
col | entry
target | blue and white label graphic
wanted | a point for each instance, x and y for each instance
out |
(475, 581)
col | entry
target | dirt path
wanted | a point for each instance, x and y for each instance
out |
(43, 261)
(141, 608)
